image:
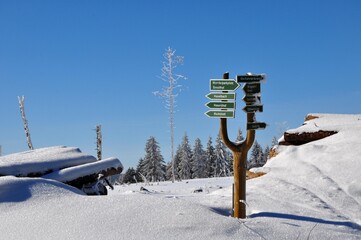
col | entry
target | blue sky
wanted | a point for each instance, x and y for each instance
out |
(83, 63)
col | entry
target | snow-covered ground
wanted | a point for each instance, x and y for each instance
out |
(311, 191)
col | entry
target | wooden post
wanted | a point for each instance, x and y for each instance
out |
(239, 152)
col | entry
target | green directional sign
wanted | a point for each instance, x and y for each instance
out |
(223, 85)
(256, 125)
(222, 105)
(220, 114)
(221, 96)
(253, 108)
(252, 99)
(252, 88)
(251, 78)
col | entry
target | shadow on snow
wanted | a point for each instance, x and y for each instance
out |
(306, 219)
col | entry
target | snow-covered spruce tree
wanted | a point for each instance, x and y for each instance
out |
(153, 162)
(239, 137)
(168, 171)
(129, 176)
(198, 160)
(210, 158)
(256, 158)
(266, 153)
(274, 142)
(222, 159)
(185, 159)
(176, 160)
(170, 92)
(229, 157)
(139, 171)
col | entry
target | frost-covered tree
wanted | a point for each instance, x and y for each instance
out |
(153, 162)
(185, 159)
(177, 159)
(171, 91)
(129, 176)
(222, 160)
(198, 160)
(274, 142)
(140, 170)
(168, 171)
(256, 158)
(230, 162)
(239, 137)
(266, 154)
(210, 158)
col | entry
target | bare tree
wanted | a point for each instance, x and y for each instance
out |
(26, 127)
(99, 141)
(171, 91)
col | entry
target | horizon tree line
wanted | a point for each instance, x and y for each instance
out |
(192, 161)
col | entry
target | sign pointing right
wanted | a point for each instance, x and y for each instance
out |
(251, 78)
(253, 108)
(256, 125)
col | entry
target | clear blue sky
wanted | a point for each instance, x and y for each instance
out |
(83, 63)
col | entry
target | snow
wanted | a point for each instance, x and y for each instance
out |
(310, 191)
(42, 160)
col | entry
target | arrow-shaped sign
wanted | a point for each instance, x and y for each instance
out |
(251, 78)
(252, 99)
(221, 96)
(222, 105)
(256, 125)
(253, 108)
(252, 88)
(223, 85)
(220, 114)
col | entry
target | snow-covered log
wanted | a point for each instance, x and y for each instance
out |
(35, 163)
(77, 176)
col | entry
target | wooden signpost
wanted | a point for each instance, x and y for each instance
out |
(252, 89)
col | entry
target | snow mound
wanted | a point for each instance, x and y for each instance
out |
(13, 189)
(322, 176)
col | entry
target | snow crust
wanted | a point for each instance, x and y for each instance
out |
(311, 191)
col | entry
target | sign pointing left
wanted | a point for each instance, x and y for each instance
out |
(223, 85)
(220, 114)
